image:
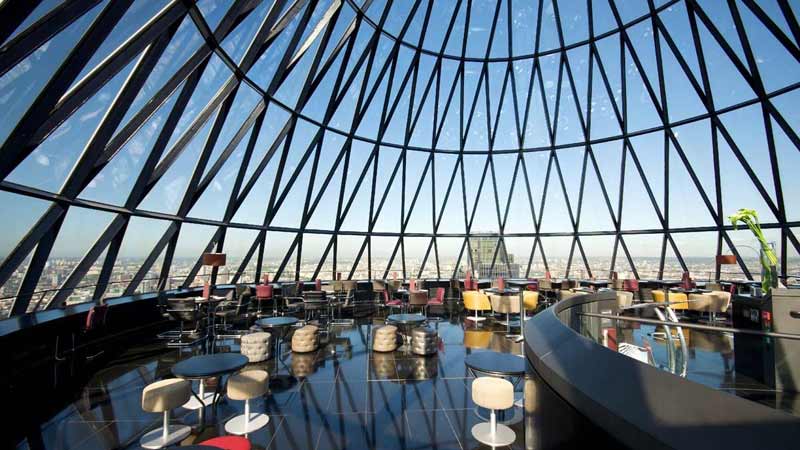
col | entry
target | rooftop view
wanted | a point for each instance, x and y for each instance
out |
(450, 142)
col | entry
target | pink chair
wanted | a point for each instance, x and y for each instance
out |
(264, 293)
(435, 301)
(392, 302)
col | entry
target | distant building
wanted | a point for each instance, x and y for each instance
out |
(483, 250)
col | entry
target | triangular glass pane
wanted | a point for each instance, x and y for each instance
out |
(48, 166)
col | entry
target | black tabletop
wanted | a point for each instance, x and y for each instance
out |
(496, 363)
(689, 291)
(205, 366)
(506, 291)
(276, 322)
(406, 318)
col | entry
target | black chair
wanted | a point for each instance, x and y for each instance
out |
(292, 297)
(236, 313)
(314, 302)
(184, 311)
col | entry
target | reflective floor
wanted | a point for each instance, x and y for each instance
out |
(342, 396)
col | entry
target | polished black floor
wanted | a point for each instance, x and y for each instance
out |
(349, 398)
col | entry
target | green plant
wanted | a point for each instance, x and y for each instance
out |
(767, 255)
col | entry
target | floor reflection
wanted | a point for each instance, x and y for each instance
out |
(341, 396)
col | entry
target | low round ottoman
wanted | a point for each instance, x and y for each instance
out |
(256, 346)
(424, 341)
(493, 394)
(305, 339)
(384, 338)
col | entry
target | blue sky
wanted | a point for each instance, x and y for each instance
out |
(51, 163)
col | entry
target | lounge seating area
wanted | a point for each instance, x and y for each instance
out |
(399, 224)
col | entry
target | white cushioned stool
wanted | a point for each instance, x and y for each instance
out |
(305, 339)
(493, 394)
(256, 346)
(384, 338)
(245, 386)
(162, 397)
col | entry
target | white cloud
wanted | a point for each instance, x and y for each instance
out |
(42, 160)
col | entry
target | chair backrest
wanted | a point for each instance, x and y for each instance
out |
(440, 295)
(378, 285)
(96, 317)
(349, 285)
(314, 296)
(243, 304)
(566, 284)
(417, 298)
(545, 284)
(183, 309)
(264, 291)
(242, 289)
(631, 285)
(454, 285)
(475, 300)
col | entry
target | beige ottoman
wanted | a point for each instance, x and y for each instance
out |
(493, 394)
(305, 339)
(384, 338)
(162, 397)
(256, 346)
(424, 341)
(246, 386)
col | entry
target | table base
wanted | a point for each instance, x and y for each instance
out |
(156, 438)
(239, 425)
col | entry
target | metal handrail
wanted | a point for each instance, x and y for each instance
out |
(695, 326)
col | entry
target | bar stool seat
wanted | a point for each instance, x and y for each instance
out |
(493, 394)
(247, 386)
(162, 397)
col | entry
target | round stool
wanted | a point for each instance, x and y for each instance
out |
(305, 339)
(246, 386)
(424, 341)
(493, 394)
(162, 397)
(256, 346)
(384, 339)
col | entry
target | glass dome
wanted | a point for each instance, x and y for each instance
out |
(310, 138)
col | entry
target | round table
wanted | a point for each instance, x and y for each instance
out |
(278, 327)
(496, 364)
(207, 366)
(404, 323)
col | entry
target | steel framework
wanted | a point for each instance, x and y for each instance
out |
(339, 69)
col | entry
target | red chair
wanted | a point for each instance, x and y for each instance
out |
(435, 301)
(228, 443)
(392, 302)
(533, 285)
(264, 293)
(631, 285)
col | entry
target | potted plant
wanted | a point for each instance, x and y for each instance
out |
(769, 275)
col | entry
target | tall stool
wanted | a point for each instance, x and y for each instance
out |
(493, 394)
(161, 397)
(256, 346)
(246, 386)
(305, 339)
(424, 341)
(384, 339)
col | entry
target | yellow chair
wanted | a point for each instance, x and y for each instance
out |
(676, 298)
(476, 301)
(530, 299)
(477, 339)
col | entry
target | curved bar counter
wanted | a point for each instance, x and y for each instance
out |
(582, 393)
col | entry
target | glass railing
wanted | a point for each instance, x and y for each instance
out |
(759, 366)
